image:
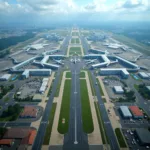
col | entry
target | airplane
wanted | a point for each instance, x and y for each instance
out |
(90, 62)
(75, 60)
(58, 62)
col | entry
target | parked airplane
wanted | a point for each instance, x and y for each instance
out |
(58, 62)
(91, 61)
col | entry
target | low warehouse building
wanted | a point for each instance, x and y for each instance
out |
(118, 89)
(29, 112)
(5, 77)
(143, 75)
(37, 97)
(143, 135)
(125, 112)
(136, 112)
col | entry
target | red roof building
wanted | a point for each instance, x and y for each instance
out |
(7, 142)
(136, 112)
(29, 112)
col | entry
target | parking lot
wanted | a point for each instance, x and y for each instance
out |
(132, 140)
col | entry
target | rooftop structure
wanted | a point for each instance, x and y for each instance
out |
(143, 135)
(44, 85)
(97, 51)
(118, 89)
(36, 46)
(143, 75)
(7, 142)
(136, 112)
(130, 64)
(125, 112)
(36, 72)
(37, 97)
(5, 77)
(148, 87)
(29, 112)
(115, 71)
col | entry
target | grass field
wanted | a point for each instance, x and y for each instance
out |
(73, 40)
(100, 88)
(74, 50)
(82, 74)
(87, 120)
(133, 43)
(49, 126)
(65, 109)
(120, 138)
(68, 75)
(58, 86)
(101, 125)
(74, 34)
(91, 83)
(77, 40)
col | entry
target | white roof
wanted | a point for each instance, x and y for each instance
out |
(6, 76)
(124, 70)
(143, 74)
(118, 89)
(36, 46)
(125, 111)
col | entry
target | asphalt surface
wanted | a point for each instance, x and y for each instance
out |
(42, 128)
(75, 139)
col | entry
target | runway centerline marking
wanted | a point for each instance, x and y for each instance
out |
(75, 141)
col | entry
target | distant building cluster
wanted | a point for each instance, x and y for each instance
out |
(54, 37)
(96, 37)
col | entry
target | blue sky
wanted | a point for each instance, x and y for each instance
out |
(74, 10)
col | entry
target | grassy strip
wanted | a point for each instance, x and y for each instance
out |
(136, 87)
(91, 84)
(65, 109)
(100, 88)
(68, 75)
(101, 124)
(82, 74)
(73, 40)
(77, 41)
(120, 138)
(58, 86)
(6, 99)
(49, 126)
(87, 120)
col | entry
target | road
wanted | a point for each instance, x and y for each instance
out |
(42, 128)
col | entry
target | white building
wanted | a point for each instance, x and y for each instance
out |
(143, 75)
(36, 72)
(118, 89)
(115, 71)
(5, 77)
(44, 85)
(125, 112)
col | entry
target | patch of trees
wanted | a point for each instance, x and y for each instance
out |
(129, 96)
(144, 91)
(12, 112)
(5, 90)
(2, 131)
(7, 42)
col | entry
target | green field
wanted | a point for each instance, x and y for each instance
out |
(68, 75)
(120, 138)
(75, 50)
(59, 84)
(65, 109)
(49, 126)
(74, 34)
(77, 40)
(82, 74)
(133, 43)
(73, 40)
(87, 120)
(100, 88)
(101, 124)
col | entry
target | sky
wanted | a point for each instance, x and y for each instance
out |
(87, 11)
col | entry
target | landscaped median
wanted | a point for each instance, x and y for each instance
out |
(50, 124)
(87, 120)
(82, 74)
(68, 74)
(75, 50)
(120, 137)
(63, 124)
(101, 124)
